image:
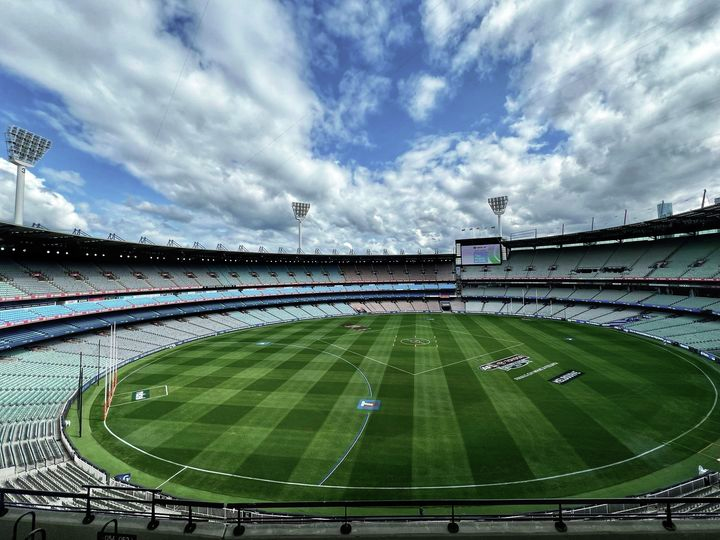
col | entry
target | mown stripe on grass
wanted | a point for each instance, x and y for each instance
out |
(383, 456)
(553, 348)
(260, 444)
(623, 392)
(439, 455)
(329, 445)
(378, 346)
(342, 422)
(579, 395)
(491, 451)
(178, 433)
(568, 404)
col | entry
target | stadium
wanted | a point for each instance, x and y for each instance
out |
(500, 316)
(578, 366)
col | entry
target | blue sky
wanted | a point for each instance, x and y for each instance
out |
(202, 120)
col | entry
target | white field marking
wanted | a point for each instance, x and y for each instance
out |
(464, 360)
(162, 355)
(711, 442)
(143, 400)
(173, 476)
(701, 451)
(149, 388)
(459, 486)
(335, 467)
(487, 334)
(515, 344)
(367, 417)
(534, 371)
(368, 357)
(370, 329)
(357, 438)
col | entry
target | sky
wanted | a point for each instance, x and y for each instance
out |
(202, 120)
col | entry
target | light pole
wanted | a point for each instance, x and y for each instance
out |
(300, 209)
(498, 205)
(24, 150)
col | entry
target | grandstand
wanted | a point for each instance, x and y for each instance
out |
(60, 293)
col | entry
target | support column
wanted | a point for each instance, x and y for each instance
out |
(19, 194)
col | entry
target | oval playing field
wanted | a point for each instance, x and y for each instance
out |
(410, 406)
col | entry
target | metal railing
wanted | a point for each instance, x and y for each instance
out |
(155, 508)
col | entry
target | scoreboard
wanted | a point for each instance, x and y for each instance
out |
(479, 251)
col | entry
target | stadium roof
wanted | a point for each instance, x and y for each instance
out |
(37, 241)
(693, 221)
(40, 241)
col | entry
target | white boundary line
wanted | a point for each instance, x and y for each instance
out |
(340, 461)
(173, 476)
(458, 486)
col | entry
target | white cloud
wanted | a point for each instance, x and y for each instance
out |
(360, 95)
(376, 26)
(629, 88)
(67, 181)
(235, 140)
(444, 21)
(163, 211)
(420, 94)
(627, 91)
(42, 205)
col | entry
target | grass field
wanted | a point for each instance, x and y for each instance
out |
(272, 413)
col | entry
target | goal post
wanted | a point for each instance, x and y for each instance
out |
(111, 372)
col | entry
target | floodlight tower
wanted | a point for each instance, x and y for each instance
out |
(300, 209)
(498, 205)
(24, 150)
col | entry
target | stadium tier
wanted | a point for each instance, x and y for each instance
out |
(30, 279)
(679, 259)
(59, 296)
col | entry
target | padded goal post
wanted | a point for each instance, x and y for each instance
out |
(111, 372)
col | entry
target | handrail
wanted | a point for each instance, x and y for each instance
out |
(560, 511)
(32, 534)
(20, 518)
(115, 527)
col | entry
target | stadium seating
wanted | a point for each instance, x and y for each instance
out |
(14, 316)
(36, 278)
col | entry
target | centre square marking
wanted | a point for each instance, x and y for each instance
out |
(369, 405)
(415, 341)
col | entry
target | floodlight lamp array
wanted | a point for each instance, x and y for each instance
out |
(25, 148)
(498, 204)
(301, 210)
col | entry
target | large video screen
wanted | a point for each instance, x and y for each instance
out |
(480, 254)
